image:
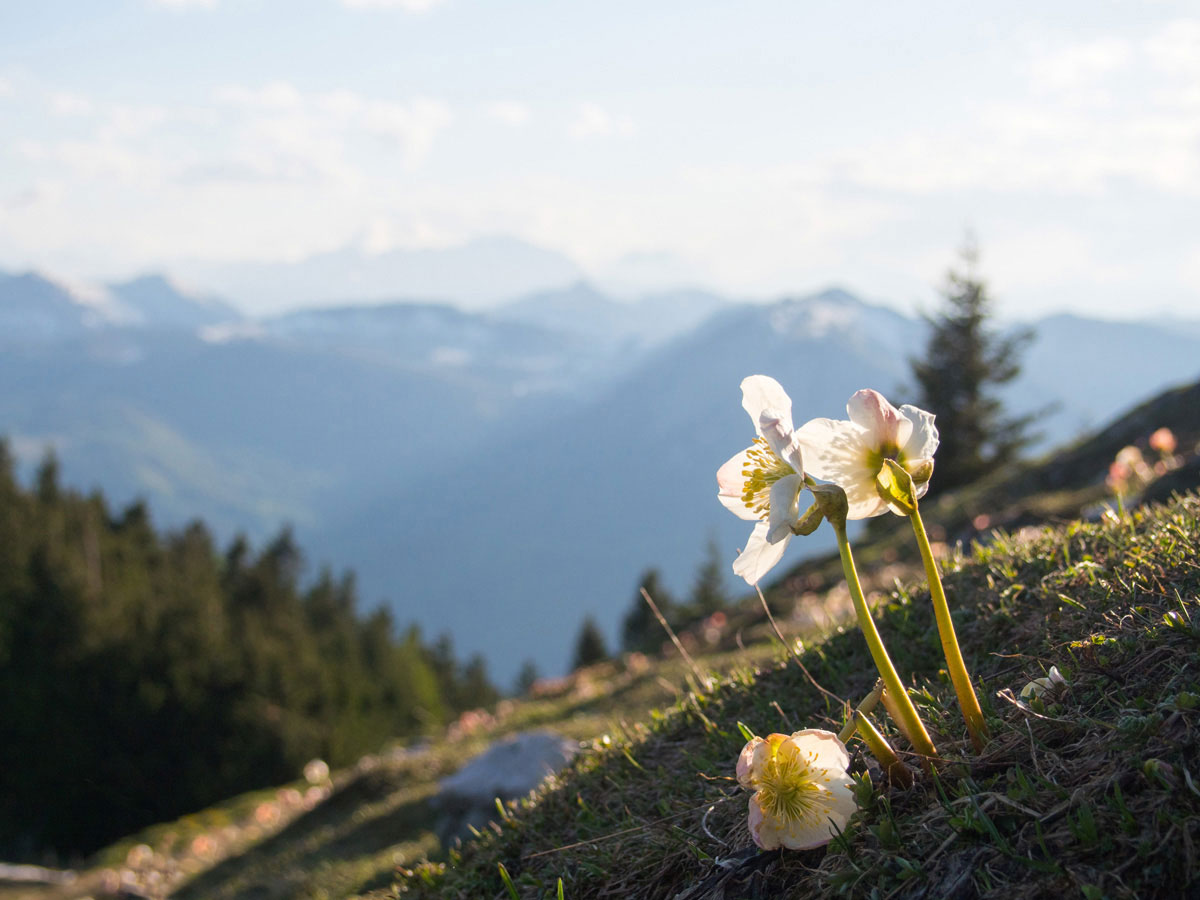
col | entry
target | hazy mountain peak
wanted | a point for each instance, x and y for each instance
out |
(479, 272)
(99, 305)
(833, 311)
(155, 300)
(35, 307)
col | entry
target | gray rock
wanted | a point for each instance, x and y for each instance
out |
(509, 769)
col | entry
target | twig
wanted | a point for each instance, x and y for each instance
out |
(624, 831)
(792, 650)
(703, 679)
(1033, 750)
(786, 719)
(704, 825)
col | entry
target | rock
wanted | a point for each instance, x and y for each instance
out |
(509, 769)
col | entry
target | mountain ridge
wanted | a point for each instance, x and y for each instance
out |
(403, 439)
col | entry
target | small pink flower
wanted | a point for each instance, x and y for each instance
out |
(1163, 440)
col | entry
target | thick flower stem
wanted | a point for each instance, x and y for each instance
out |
(967, 700)
(897, 772)
(867, 706)
(908, 721)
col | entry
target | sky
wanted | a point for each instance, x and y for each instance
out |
(757, 148)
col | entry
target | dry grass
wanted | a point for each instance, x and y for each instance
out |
(1093, 793)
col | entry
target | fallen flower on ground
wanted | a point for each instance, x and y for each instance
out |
(802, 790)
(1039, 686)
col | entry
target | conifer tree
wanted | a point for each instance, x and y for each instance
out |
(527, 677)
(708, 592)
(178, 675)
(590, 647)
(640, 630)
(476, 686)
(965, 361)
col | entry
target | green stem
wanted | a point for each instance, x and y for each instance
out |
(967, 700)
(908, 721)
(867, 706)
(897, 772)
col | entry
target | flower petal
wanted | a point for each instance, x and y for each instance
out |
(764, 830)
(731, 485)
(831, 447)
(776, 429)
(836, 450)
(761, 392)
(824, 748)
(760, 556)
(804, 834)
(882, 421)
(923, 442)
(784, 509)
(746, 771)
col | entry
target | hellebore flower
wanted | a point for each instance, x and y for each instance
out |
(1052, 682)
(851, 453)
(803, 793)
(763, 482)
(1163, 440)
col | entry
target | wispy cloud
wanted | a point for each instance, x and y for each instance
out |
(183, 4)
(327, 128)
(594, 121)
(1082, 64)
(1090, 114)
(511, 113)
(412, 6)
(66, 103)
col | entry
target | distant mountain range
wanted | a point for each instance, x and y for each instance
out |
(494, 474)
(480, 272)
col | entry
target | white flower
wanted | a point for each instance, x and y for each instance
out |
(763, 482)
(803, 793)
(850, 454)
(1051, 683)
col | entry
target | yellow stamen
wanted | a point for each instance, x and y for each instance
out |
(761, 470)
(789, 788)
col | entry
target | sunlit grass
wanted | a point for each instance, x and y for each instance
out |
(1094, 794)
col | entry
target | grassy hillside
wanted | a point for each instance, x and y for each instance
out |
(1093, 793)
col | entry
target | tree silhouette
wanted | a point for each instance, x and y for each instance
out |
(965, 361)
(640, 630)
(590, 646)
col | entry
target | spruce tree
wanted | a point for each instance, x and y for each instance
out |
(590, 647)
(965, 361)
(640, 630)
(527, 677)
(708, 592)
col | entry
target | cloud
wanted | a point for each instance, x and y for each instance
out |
(270, 133)
(1079, 65)
(325, 128)
(1090, 115)
(183, 4)
(1176, 48)
(273, 96)
(509, 113)
(593, 121)
(7, 88)
(65, 103)
(412, 6)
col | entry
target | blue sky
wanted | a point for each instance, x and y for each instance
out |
(758, 148)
